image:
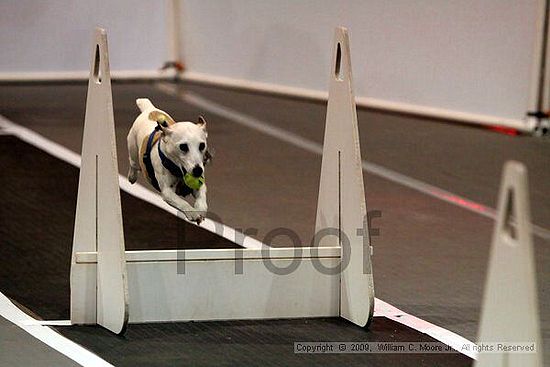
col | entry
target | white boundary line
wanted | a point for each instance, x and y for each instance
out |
(49, 336)
(455, 341)
(369, 102)
(81, 75)
(316, 148)
(32, 322)
(525, 125)
(382, 308)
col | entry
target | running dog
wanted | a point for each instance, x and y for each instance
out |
(171, 156)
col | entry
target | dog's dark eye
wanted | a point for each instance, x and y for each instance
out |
(184, 148)
(202, 146)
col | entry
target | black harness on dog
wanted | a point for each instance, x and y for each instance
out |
(181, 188)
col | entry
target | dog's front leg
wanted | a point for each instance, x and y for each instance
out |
(170, 196)
(200, 200)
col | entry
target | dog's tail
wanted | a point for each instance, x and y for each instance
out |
(144, 104)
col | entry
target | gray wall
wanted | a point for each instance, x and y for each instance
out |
(470, 56)
(55, 35)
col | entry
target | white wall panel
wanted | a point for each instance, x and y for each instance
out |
(462, 55)
(54, 35)
(466, 56)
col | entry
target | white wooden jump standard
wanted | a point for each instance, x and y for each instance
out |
(152, 290)
(510, 308)
(341, 203)
(99, 294)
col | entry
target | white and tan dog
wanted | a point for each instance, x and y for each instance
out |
(169, 153)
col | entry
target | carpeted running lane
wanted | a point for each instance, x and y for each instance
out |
(253, 343)
(36, 225)
(36, 228)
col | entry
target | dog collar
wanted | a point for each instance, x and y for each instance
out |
(174, 169)
(181, 187)
(154, 138)
(146, 158)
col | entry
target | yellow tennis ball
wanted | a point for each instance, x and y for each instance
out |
(193, 182)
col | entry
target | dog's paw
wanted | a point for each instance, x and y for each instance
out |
(132, 175)
(199, 219)
(194, 215)
(201, 208)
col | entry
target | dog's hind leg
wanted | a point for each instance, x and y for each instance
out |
(132, 174)
(133, 157)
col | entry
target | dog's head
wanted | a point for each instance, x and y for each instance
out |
(184, 142)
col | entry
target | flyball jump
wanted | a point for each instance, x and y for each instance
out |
(111, 286)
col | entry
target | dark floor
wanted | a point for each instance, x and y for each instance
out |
(430, 257)
(32, 194)
(459, 158)
(36, 222)
(253, 343)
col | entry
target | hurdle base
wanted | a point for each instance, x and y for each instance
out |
(224, 284)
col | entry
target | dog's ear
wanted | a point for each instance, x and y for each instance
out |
(163, 120)
(207, 157)
(201, 122)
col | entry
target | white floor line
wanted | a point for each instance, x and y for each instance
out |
(316, 148)
(451, 339)
(47, 335)
(32, 322)
(381, 308)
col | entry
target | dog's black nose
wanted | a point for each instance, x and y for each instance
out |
(197, 171)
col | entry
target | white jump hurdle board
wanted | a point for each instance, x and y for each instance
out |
(221, 284)
(215, 285)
